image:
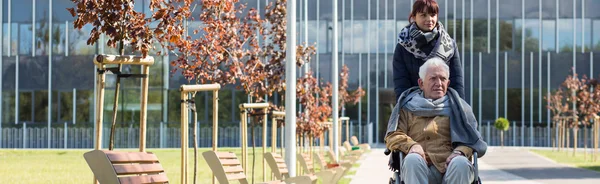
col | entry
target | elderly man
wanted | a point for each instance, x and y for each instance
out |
(436, 129)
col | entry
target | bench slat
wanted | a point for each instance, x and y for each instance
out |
(138, 169)
(236, 176)
(281, 165)
(235, 169)
(156, 178)
(279, 160)
(131, 157)
(230, 162)
(283, 170)
(226, 155)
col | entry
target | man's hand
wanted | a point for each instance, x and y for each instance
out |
(417, 149)
(452, 156)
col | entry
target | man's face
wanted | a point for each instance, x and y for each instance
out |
(435, 84)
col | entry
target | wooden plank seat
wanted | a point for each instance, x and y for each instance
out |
(226, 167)
(340, 169)
(280, 170)
(326, 176)
(113, 167)
(363, 146)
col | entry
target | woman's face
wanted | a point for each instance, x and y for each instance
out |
(425, 21)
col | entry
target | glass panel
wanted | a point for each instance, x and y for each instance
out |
(42, 26)
(78, 41)
(8, 90)
(549, 35)
(24, 36)
(596, 38)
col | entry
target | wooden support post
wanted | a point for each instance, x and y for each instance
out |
(274, 135)
(322, 144)
(184, 136)
(100, 107)
(119, 59)
(282, 147)
(215, 120)
(245, 141)
(264, 143)
(144, 108)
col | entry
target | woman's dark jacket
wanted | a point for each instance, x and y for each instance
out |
(406, 69)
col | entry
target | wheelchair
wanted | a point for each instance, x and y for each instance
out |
(395, 165)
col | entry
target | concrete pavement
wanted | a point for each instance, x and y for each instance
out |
(499, 165)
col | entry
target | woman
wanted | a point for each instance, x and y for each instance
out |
(424, 38)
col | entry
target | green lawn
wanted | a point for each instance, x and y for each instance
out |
(566, 157)
(68, 166)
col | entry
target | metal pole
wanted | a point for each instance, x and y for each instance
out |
(290, 93)
(377, 79)
(540, 67)
(65, 136)
(548, 93)
(24, 135)
(471, 55)
(514, 128)
(49, 75)
(74, 109)
(505, 84)
(523, 72)
(334, 78)
(306, 66)
(369, 71)
(488, 26)
(33, 29)
(318, 28)
(385, 52)
(66, 38)
(479, 96)
(17, 89)
(582, 24)
(9, 28)
(445, 10)
(574, 41)
(1, 63)
(497, 107)
(462, 45)
(556, 27)
(531, 99)
(454, 18)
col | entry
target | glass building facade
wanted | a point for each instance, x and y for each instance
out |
(513, 52)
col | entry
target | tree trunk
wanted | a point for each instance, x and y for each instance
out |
(502, 138)
(553, 136)
(116, 101)
(195, 139)
(568, 139)
(585, 141)
(575, 129)
(561, 135)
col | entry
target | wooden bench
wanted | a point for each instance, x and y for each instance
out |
(327, 176)
(349, 150)
(280, 170)
(343, 158)
(355, 142)
(226, 167)
(113, 167)
(340, 169)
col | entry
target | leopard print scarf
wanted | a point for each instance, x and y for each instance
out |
(412, 39)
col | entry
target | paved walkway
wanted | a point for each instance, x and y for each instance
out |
(498, 166)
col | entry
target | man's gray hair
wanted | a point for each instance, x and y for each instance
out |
(431, 63)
